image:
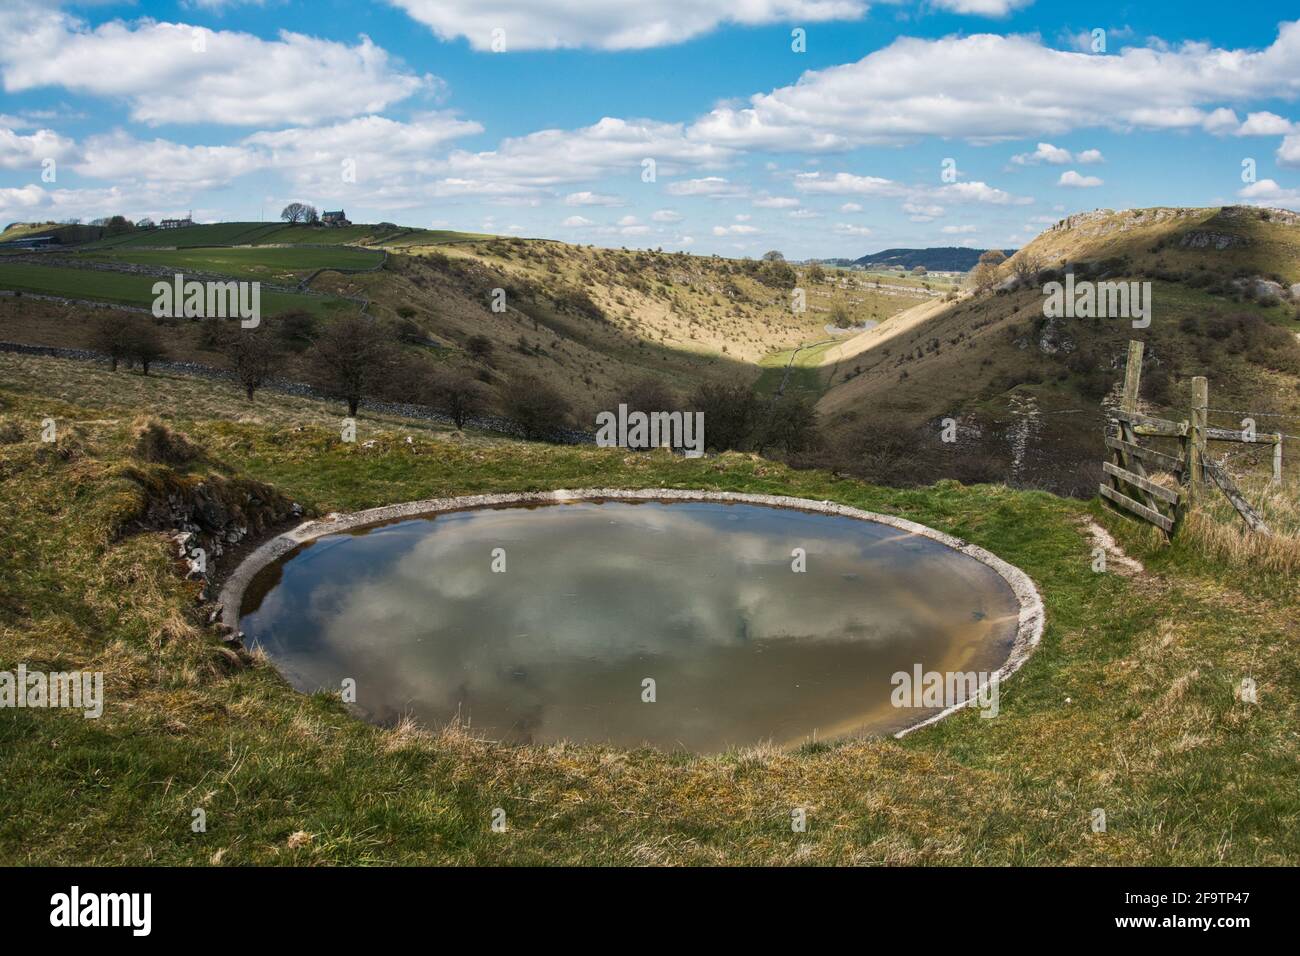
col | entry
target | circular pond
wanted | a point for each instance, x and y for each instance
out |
(684, 624)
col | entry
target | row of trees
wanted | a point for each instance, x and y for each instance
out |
(357, 358)
(735, 417)
(128, 338)
(353, 359)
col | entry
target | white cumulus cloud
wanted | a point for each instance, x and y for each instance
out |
(177, 73)
(1077, 180)
(608, 24)
(988, 87)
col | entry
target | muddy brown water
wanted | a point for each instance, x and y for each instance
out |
(598, 597)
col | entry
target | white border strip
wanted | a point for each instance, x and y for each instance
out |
(1028, 634)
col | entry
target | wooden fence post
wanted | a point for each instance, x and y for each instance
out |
(1277, 459)
(1196, 439)
(1132, 376)
(1132, 382)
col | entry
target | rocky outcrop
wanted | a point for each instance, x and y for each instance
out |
(1211, 239)
(205, 515)
(1053, 339)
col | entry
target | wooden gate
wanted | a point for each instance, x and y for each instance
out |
(1127, 484)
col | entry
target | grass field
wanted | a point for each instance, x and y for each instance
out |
(276, 264)
(805, 376)
(270, 233)
(402, 238)
(1129, 705)
(214, 234)
(129, 289)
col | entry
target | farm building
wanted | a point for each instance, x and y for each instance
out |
(338, 218)
(176, 223)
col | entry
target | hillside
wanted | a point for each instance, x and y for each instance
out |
(1029, 391)
(936, 259)
(589, 322)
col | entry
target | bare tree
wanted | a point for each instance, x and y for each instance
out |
(144, 344)
(985, 275)
(350, 359)
(253, 357)
(297, 212)
(459, 394)
(1025, 266)
(536, 407)
(112, 336)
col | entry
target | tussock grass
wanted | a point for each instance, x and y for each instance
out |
(1217, 528)
(1129, 705)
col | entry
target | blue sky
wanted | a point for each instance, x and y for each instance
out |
(941, 122)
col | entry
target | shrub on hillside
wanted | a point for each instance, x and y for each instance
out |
(212, 333)
(459, 394)
(410, 332)
(790, 424)
(143, 343)
(537, 408)
(111, 334)
(731, 414)
(479, 348)
(577, 300)
(295, 329)
(648, 394)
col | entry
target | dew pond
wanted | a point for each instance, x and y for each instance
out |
(597, 597)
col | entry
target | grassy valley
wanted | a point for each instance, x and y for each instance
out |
(1131, 703)
(994, 361)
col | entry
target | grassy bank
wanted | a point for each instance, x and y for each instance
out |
(125, 288)
(1128, 705)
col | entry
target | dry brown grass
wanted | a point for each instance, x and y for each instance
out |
(1215, 526)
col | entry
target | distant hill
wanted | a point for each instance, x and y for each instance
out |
(940, 259)
(1225, 282)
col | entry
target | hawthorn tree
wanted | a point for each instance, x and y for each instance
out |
(144, 344)
(459, 394)
(111, 335)
(254, 358)
(350, 359)
(536, 407)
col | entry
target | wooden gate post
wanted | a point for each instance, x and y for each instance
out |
(1196, 439)
(1132, 376)
(1129, 402)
